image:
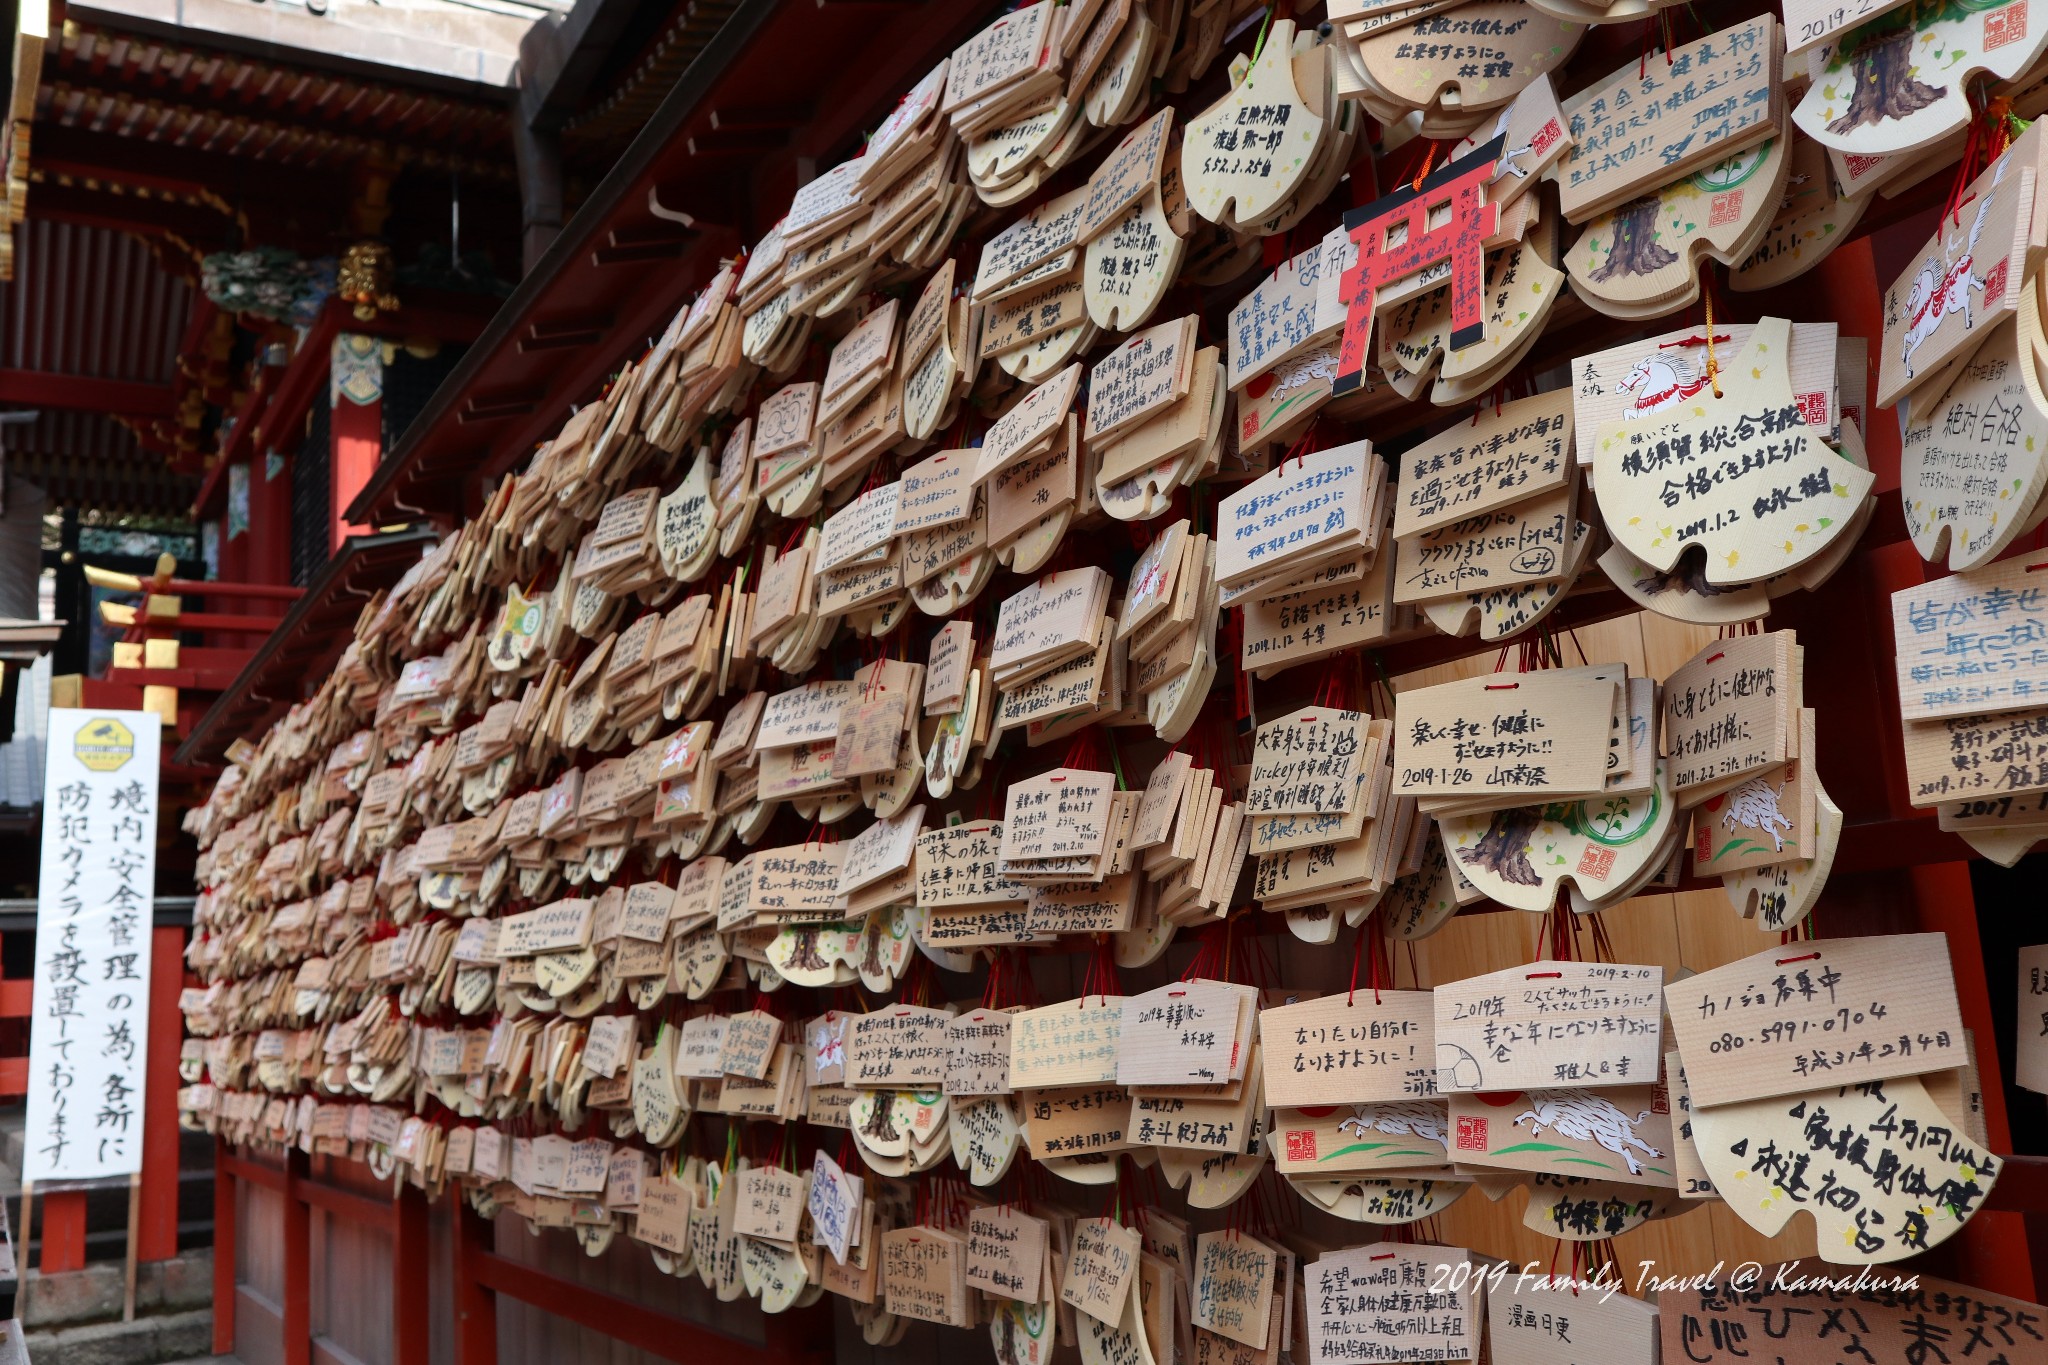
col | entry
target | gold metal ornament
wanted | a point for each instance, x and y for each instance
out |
(364, 279)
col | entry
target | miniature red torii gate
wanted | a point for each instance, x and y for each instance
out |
(1461, 240)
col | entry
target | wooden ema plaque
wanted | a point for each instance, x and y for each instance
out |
(1238, 172)
(1710, 1326)
(1557, 1320)
(1808, 1016)
(1966, 280)
(1627, 133)
(1879, 1165)
(1973, 459)
(1879, 87)
(1739, 472)
(630, 696)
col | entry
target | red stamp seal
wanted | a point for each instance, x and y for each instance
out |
(2007, 25)
(1813, 408)
(1596, 862)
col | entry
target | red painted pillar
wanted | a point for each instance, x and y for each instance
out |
(1848, 280)
(234, 553)
(356, 424)
(61, 1225)
(358, 444)
(476, 1308)
(157, 1236)
(223, 1252)
(298, 1265)
(1995, 1255)
(233, 568)
(268, 558)
(410, 1327)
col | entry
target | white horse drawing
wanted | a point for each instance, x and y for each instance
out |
(1659, 381)
(1509, 161)
(1943, 286)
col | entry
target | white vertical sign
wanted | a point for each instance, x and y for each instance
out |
(89, 1034)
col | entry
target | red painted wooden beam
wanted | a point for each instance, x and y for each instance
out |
(84, 393)
(295, 1185)
(225, 622)
(254, 1172)
(211, 658)
(281, 592)
(204, 679)
(381, 1214)
(657, 1333)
